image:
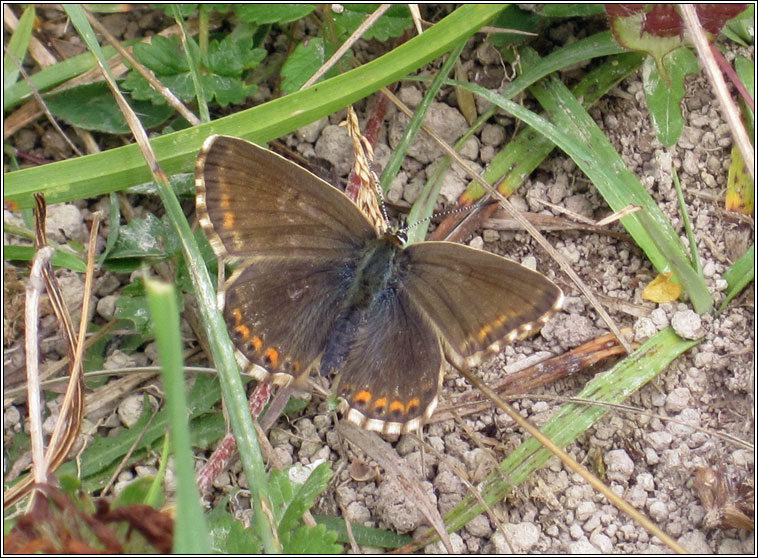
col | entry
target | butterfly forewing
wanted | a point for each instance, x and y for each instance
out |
(253, 203)
(477, 301)
(298, 237)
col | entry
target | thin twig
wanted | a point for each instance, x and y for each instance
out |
(33, 291)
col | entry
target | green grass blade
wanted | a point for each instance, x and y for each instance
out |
(60, 258)
(17, 47)
(739, 275)
(120, 168)
(528, 149)
(190, 529)
(55, 75)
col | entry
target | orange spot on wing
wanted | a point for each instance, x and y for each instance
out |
(228, 220)
(257, 343)
(381, 402)
(397, 406)
(237, 315)
(273, 356)
(243, 330)
(413, 404)
(362, 396)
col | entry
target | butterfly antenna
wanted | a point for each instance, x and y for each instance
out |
(379, 192)
(468, 208)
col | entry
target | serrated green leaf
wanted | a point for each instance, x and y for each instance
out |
(392, 23)
(142, 238)
(664, 99)
(302, 495)
(272, 13)
(302, 63)
(232, 55)
(93, 107)
(163, 55)
(316, 540)
(229, 536)
(226, 90)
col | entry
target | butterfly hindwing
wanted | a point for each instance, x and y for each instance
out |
(280, 313)
(392, 372)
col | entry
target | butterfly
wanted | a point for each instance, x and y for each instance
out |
(319, 288)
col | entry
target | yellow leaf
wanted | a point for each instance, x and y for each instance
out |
(739, 187)
(662, 289)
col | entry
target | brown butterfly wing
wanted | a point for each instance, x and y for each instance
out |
(477, 301)
(299, 238)
(392, 373)
(253, 203)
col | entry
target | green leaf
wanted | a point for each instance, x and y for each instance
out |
(163, 55)
(364, 536)
(392, 23)
(272, 13)
(745, 70)
(307, 57)
(59, 259)
(630, 32)
(104, 453)
(741, 28)
(226, 60)
(231, 56)
(93, 107)
(229, 536)
(134, 493)
(294, 498)
(663, 99)
(226, 90)
(134, 309)
(316, 540)
(739, 275)
(145, 238)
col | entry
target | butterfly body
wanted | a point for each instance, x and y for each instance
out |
(319, 288)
